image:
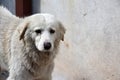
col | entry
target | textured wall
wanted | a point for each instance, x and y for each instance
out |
(91, 50)
(10, 4)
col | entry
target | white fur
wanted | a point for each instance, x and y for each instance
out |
(45, 37)
(22, 49)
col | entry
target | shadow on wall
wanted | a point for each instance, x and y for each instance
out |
(36, 6)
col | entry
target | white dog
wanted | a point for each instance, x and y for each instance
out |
(28, 46)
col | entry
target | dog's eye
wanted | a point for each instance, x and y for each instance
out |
(38, 31)
(52, 31)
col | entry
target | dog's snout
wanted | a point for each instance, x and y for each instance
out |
(47, 45)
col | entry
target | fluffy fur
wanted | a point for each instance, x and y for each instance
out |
(21, 48)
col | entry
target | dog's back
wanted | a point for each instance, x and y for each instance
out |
(5, 17)
(7, 27)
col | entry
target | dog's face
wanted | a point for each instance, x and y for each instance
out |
(44, 30)
(44, 38)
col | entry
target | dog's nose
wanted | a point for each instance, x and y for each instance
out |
(47, 45)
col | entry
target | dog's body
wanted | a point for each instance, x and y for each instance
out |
(29, 45)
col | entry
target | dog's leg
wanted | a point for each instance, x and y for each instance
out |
(44, 79)
(21, 76)
(18, 72)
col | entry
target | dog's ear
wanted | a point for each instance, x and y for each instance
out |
(62, 31)
(23, 30)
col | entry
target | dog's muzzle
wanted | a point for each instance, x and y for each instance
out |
(47, 45)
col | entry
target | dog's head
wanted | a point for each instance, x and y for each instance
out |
(44, 30)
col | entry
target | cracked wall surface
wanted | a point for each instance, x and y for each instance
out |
(91, 50)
